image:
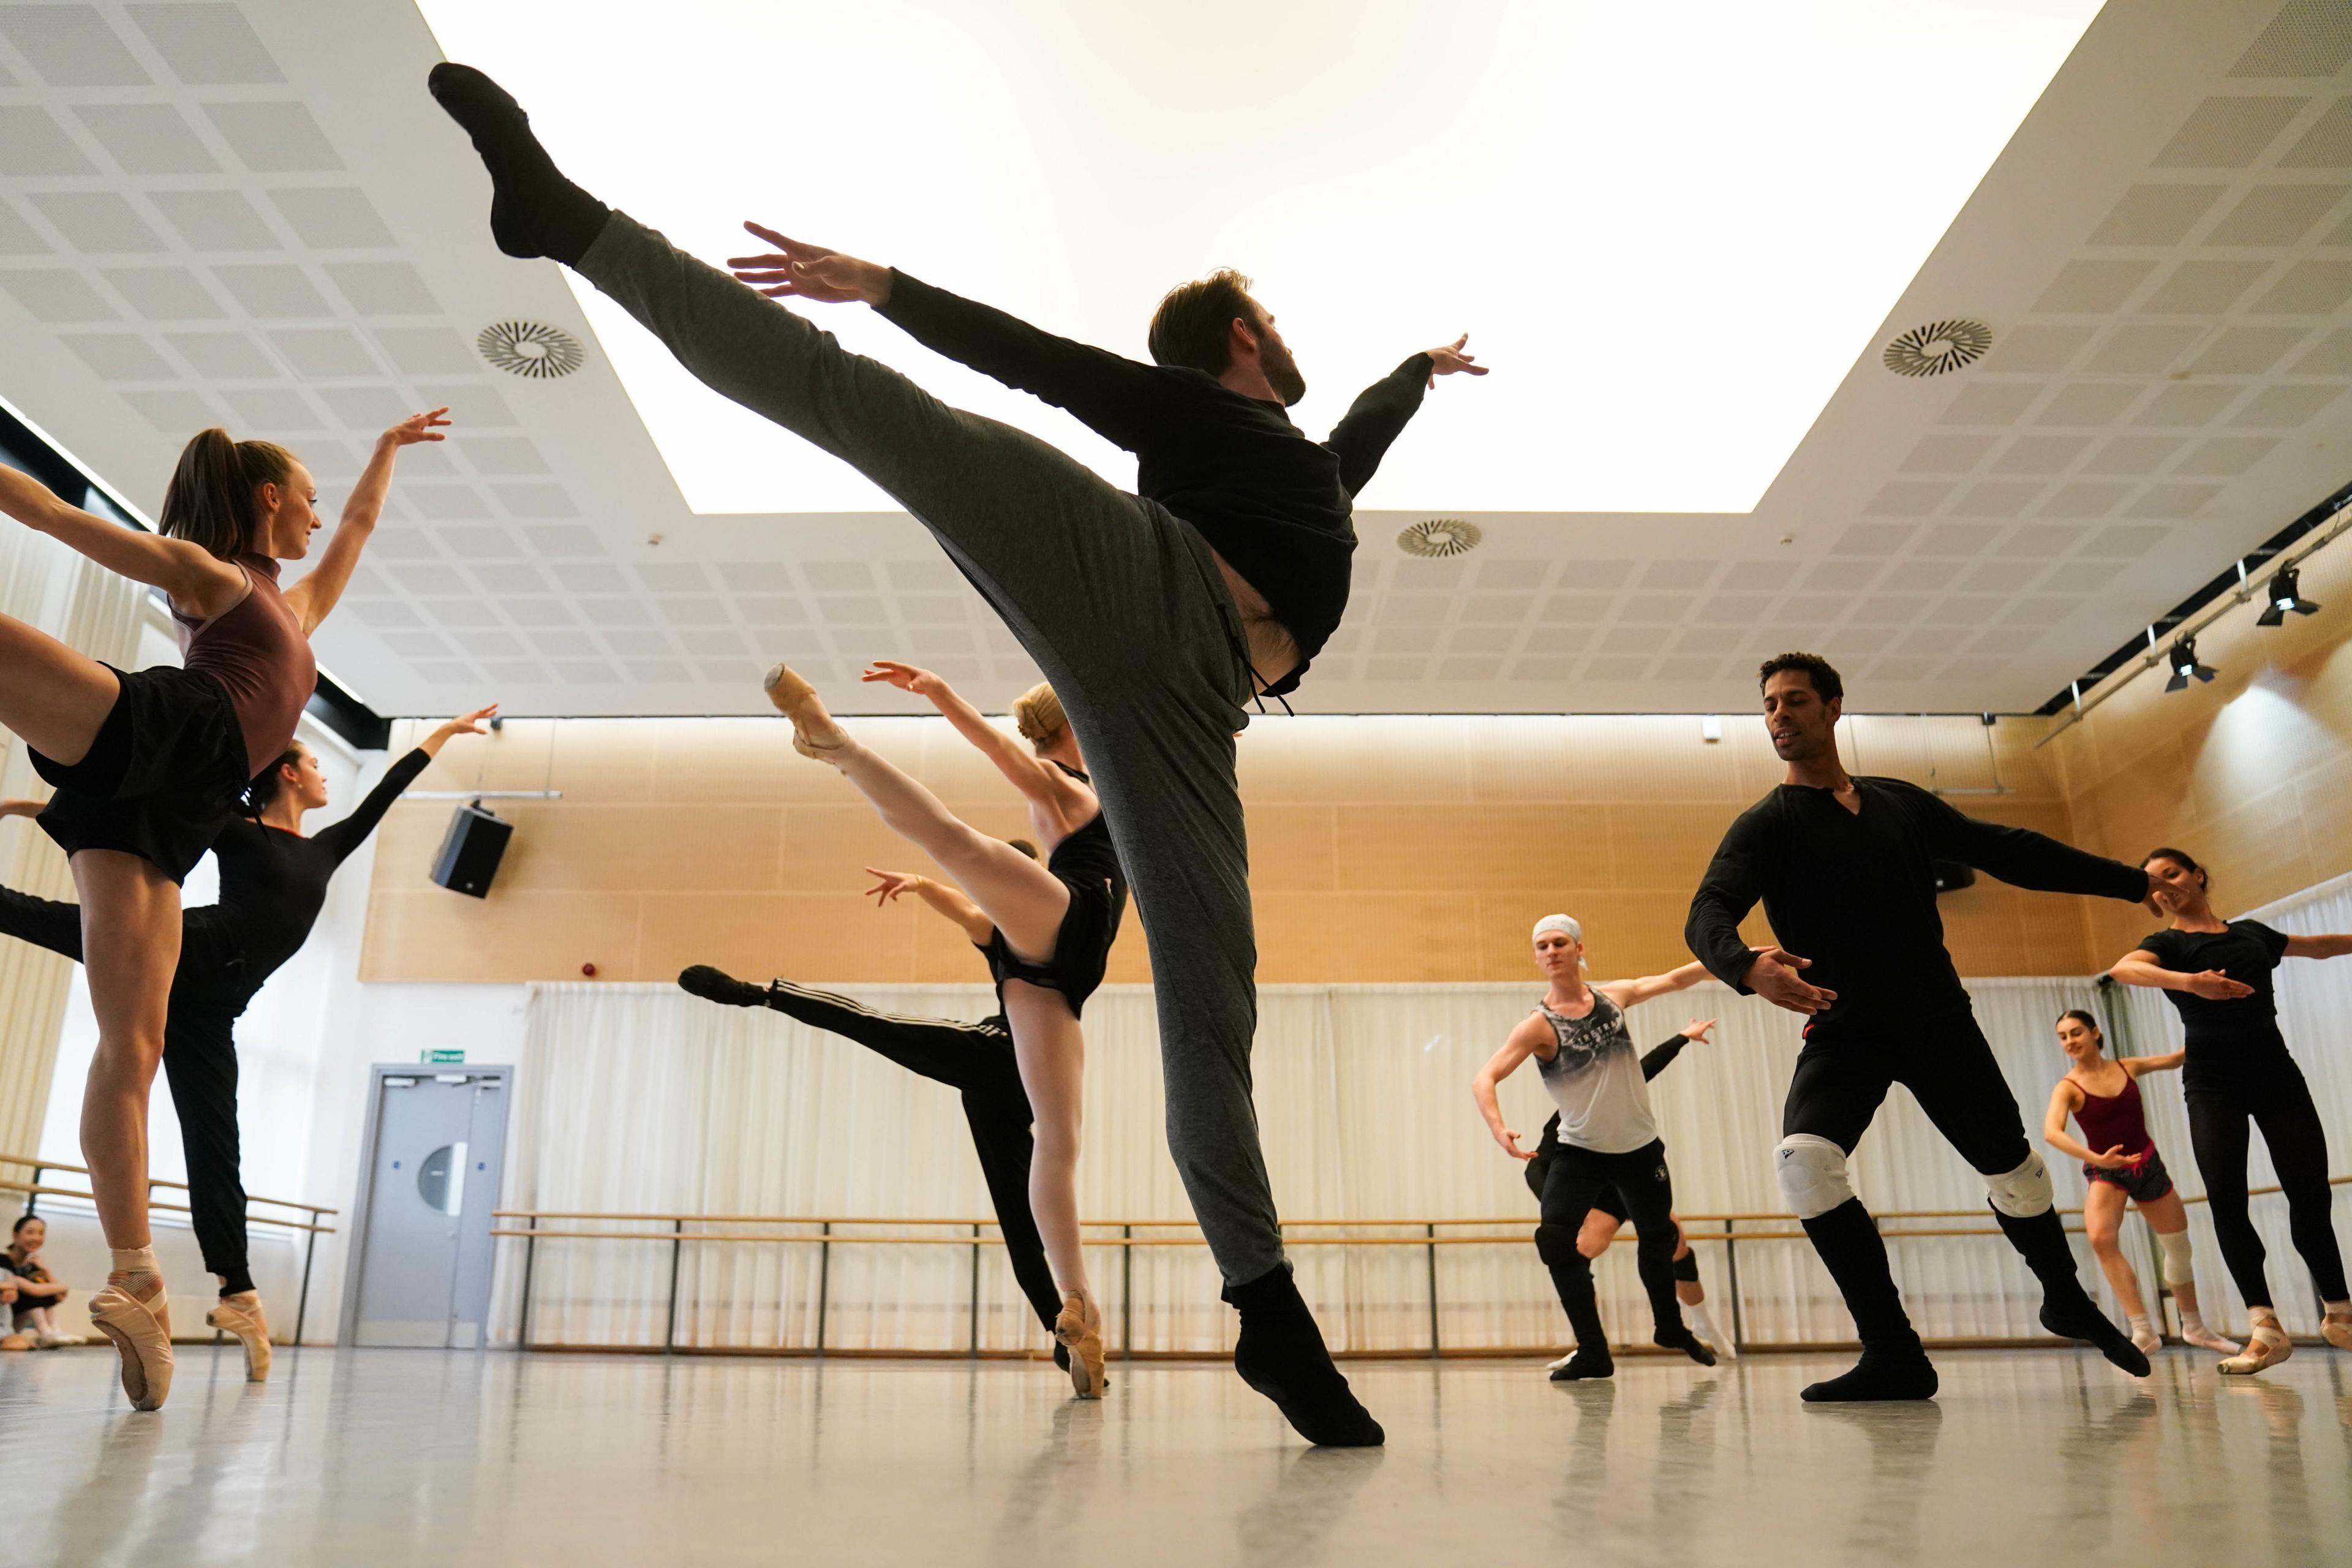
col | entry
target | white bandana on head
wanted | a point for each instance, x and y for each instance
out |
(1566, 925)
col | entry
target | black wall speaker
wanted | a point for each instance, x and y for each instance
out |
(471, 849)
(1952, 875)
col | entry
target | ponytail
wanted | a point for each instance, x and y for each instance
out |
(210, 501)
(265, 785)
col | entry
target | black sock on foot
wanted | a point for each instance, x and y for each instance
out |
(235, 1284)
(1689, 1343)
(1882, 1374)
(534, 210)
(2081, 1319)
(718, 986)
(1281, 1355)
(1585, 1365)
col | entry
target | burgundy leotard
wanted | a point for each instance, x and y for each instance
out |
(256, 649)
(2118, 1120)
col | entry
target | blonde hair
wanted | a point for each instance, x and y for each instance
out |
(1037, 714)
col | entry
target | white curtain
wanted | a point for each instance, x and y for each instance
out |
(641, 1100)
(48, 586)
(2315, 998)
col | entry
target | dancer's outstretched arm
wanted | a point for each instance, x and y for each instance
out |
(198, 583)
(1627, 992)
(316, 593)
(342, 838)
(1531, 1032)
(1035, 777)
(1115, 397)
(949, 901)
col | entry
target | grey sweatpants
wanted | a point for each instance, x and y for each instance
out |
(1121, 603)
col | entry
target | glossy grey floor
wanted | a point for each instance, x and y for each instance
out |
(404, 1456)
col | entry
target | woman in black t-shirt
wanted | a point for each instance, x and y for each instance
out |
(2218, 973)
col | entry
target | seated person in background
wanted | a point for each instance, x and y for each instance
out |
(37, 1293)
(7, 1305)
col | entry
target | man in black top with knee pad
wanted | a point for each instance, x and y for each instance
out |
(1843, 867)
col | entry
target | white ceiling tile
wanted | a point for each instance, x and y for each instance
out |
(2229, 133)
(659, 672)
(57, 294)
(214, 220)
(31, 142)
(274, 138)
(2309, 288)
(2156, 215)
(70, 45)
(2091, 287)
(165, 293)
(97, 222)
(2277, 215)
(1997, 403)
(425, 351)
(2327, 144)
(1997, 497)
(2088, 403)
(274, 410)
(2037, 348)
(2285, 407)
(175, 411)
(2143, 349)
(147, 138)
(2223, 455)
(118, 356)
(2245, 350)
(382, 288)
(559, 540)
(2186, 406)
(2133, 455)
(2203, 288)
(324, 351)
(17, 238)
(206, 44)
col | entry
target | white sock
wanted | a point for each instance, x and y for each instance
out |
(136, 1261)
(1702, 1325)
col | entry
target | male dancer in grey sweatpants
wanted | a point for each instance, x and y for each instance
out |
(1155, 615)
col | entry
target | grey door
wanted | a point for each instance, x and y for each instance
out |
(431, 1181)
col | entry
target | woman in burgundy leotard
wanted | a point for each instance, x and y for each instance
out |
(149, 765)
(2120, 1162)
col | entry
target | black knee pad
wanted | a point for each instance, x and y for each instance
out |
(1555, 1245)
(1686, 1268)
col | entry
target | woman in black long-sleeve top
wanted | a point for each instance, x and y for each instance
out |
(273, 885)
(1843, 867)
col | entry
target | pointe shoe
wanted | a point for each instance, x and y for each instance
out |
(241, 1315)
(796, 700)
(48, 1342)
(2266, 1346)
(2146, 1338)
(1079, 1330)
(141, 1332)
(2337, 1330)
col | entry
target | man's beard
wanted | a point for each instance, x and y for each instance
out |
(1281, 372)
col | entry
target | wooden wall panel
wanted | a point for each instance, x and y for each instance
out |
(1383, 849)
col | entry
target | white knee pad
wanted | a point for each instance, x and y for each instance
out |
(1812, 1175)
(2178, 1270)
(2023, 1193)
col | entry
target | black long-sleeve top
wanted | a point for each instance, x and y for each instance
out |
(1854, 891)
(272, 886)
(1276, 506)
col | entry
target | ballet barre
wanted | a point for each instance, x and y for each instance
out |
(311, 1229)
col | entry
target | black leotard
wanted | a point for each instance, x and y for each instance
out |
(1085, 863)
(2225, 1042)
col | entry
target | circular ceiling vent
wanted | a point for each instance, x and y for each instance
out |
(528, 348)
(1440, 537)
(1938, 347)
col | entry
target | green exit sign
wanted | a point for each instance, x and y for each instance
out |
(440, 1056)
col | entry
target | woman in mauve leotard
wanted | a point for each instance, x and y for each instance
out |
(148, 766)
(2120, 1162)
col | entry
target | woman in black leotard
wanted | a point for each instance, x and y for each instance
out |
(148, 766)
(1056, 925)
(2218, 973)
(976, 1060)
(273, 884)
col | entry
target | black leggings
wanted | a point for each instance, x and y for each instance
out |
(1579, 1176)
(2280, 1104)
(199, 1062)
(977, 1060)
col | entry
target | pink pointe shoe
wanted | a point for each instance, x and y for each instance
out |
(1080, 1330)
(142, 1331)
(241, 1315)
(814, 731)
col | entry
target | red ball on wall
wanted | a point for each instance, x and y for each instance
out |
(589, 970)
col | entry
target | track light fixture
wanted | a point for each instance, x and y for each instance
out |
(2182, 662)
(2286, 595)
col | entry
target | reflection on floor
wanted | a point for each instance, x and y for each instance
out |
(406, 1457)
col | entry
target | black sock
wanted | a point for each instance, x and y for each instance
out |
(1850, 1248)
(236, 1282)
(534, 210)
(2067, 1309)
(1901, 1370)
(718, 986)
(1588, 1362)
(1281, 1354)
(1573, 1281)
(1690, 1344)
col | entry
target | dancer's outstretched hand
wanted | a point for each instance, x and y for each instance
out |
(905, 677)
(1510, 1142)
(803, 272)
(1695, 1031)
(2216, 986)
(1450, 359)
(414, 428)
(1773, 976)
(892, 884)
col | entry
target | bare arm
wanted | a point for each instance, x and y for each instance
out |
(2141, 967)
(2318, 946)
(1039, 781)
(316, 593)
(1628, 993)
(1531, 1033)
(948, 901)
(2063, 1100)
(197, 582)
(2139, 1067)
